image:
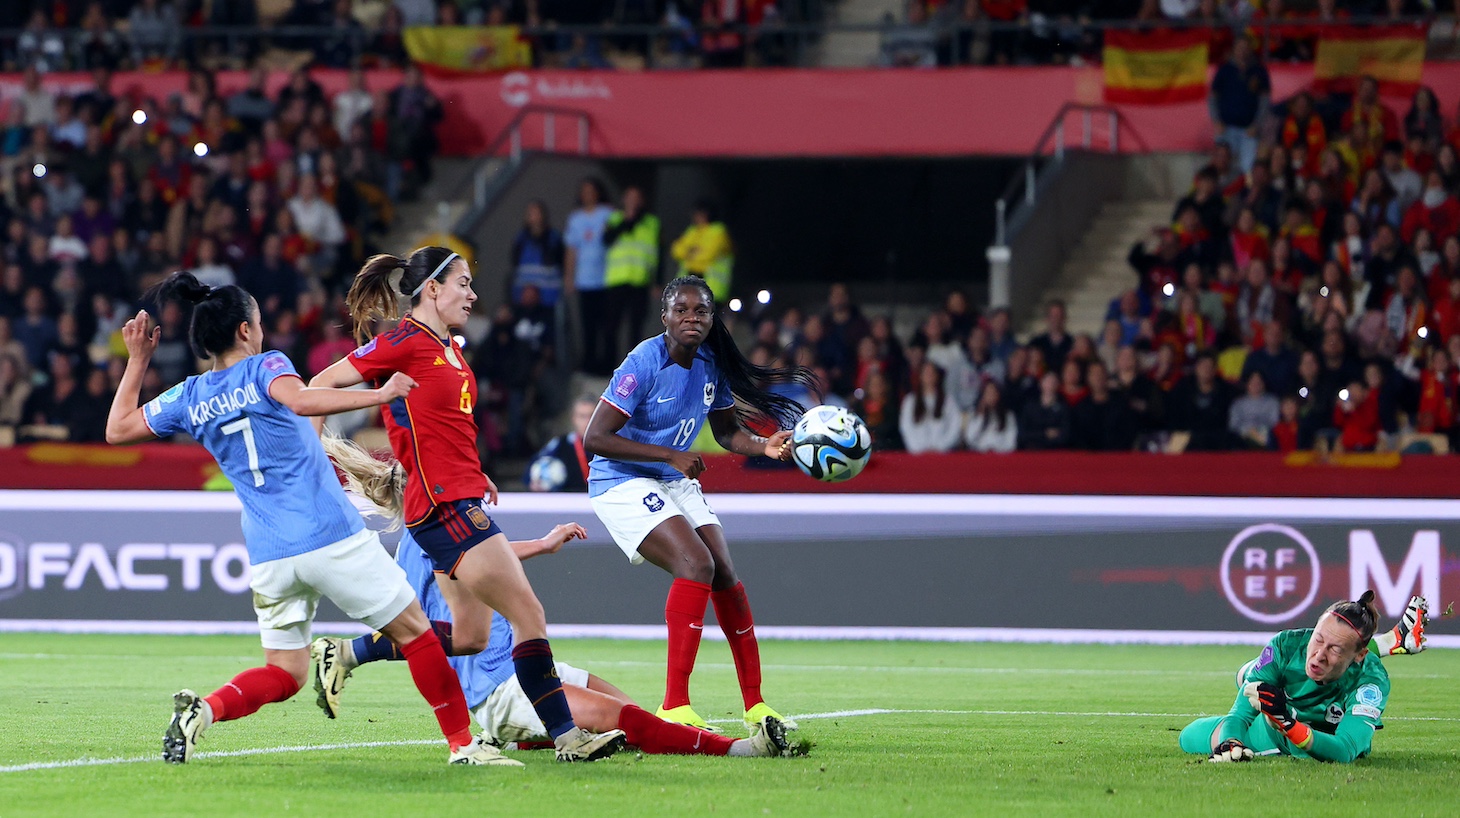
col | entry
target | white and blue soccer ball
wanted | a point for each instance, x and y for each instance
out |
(547, 474)
(831, 444)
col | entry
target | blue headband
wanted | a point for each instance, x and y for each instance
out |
(436, 272)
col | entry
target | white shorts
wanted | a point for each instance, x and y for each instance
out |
(635, 507)
(508, 716)
(355, 573)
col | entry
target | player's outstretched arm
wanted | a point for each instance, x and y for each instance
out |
(549, 544)
(316, 401)
(734, 438)
(604, 440)
(125, 422)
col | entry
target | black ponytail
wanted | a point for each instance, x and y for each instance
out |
(752, 399)
(217, 311)
(1361, 614)
(372, 297)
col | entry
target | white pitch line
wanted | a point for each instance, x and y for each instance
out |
(833, 714)
(257, 751)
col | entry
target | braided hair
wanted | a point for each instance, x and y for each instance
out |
(216, 311)
(747, 381)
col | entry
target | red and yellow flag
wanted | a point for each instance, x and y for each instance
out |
(1394, 55)
(446, 50)
(1156, 67)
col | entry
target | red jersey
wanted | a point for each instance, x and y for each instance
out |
(432, 431)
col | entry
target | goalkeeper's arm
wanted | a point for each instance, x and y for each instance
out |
(1353, 738)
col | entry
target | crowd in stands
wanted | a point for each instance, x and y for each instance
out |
(104, 194)
(1305, 295)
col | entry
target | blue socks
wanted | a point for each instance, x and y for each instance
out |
(538, 676)
(375, 647)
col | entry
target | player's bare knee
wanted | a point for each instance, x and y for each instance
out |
(696, 568)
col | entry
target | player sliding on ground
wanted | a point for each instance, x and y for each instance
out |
(1313, 693)
(642, 479)
(304, 539)
(498, 701)
(433, 434)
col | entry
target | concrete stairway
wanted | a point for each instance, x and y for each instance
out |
(856, 49)
(1096, 270)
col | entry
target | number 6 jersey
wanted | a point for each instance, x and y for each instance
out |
(292, 501)
(666, 405)
(433, 432)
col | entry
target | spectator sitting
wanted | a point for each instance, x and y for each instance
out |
(1072, 382)
(1127, 311)
(1277, 364)
(1253, 416)
(1206, 199)
(1054, 342)
(929, 418)
(1200, 405)
(1437, 210)
(1045, 423)
(1158, 261)
(1001, 338)
(332, 345)
(318, 221)
(209, 268)
(568, 450)
(991, 426)
(876, 404)
(1406, 183)
(1437, 403)
(910, 44)
(1258, 304)
(971, 371)
(1141, 394)
(65, 246)
(35, 330)
(537, 256)
(15, 390)
(1101, 421)
(1357, 417)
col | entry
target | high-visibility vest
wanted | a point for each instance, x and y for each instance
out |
(706, 251)
(633, 258)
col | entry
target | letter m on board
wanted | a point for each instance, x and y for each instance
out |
(1418, 573)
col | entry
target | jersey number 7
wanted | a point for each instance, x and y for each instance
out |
(246, 427)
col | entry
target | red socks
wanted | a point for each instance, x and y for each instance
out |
(658, 737)
(732, 610)
(684, 613)
(439, 686)
(251, 690)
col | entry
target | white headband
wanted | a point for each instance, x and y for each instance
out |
(436, 272)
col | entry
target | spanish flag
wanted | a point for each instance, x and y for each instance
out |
(1156, 67)
(1394, 55)
(449, 50)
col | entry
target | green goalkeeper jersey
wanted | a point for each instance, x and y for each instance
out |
(1343, 713)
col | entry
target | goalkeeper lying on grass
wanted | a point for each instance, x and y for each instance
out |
(1315, 692)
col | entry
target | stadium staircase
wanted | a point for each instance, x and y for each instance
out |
(1096, 270)
(856, 48)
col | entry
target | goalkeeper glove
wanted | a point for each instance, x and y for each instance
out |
(1230, 750)
(1409, 635)
(1272, 701)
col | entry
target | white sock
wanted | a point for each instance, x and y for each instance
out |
(742, 748)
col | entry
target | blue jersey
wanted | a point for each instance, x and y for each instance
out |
(666, 405)
(482, 673)
(584, 233)
(292, 501)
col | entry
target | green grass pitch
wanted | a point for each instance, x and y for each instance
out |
(977, 729)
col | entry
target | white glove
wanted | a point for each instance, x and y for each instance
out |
(1229, 751)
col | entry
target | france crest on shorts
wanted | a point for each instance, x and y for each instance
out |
(654, 503)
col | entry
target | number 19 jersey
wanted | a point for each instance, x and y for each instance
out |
(666, 405)
(292, 501)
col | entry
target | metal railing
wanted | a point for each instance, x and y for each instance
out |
(1051, 146)
(510, 137)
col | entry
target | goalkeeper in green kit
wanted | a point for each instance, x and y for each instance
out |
(1313, 693)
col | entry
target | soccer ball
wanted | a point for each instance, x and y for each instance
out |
(547, 474)
(831, 444)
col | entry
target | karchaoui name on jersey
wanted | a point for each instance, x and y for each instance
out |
(223, 403)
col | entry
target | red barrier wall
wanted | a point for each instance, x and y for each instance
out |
(187, 467)
(783, 112)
